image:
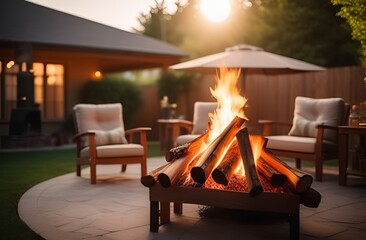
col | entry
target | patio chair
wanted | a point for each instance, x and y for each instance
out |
(200, 122)
(313, 134)
(101, 138)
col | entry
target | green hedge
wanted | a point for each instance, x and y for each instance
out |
(114, 91)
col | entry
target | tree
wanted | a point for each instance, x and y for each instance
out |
(306, 30)
(154, 23)
(355, 13)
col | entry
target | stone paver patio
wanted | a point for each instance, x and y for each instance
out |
(117, 207)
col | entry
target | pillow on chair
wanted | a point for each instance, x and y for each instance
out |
(311, 112)
(115, 136)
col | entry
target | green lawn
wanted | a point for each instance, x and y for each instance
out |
(19, 171)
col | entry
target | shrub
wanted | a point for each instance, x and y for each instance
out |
(114, 91)
(172, 83)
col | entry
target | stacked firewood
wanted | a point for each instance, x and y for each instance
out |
(216, 167)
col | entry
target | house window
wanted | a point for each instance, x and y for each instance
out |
(48, 89)
(9, 86)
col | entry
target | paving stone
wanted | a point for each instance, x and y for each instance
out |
(117, 207)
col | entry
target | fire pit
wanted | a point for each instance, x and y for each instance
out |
(227, 167)
(284, 199)
(160, 199)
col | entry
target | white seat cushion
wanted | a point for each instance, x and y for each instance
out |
(116, 150)
(182, 139)
(297, 144)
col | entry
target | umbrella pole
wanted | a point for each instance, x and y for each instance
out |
(243, 81)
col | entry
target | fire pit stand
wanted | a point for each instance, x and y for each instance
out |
(285, 203)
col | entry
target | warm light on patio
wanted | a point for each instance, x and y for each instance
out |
(97, 74)
(216, 10)
(10, 64)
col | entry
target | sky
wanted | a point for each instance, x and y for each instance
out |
(121, 14)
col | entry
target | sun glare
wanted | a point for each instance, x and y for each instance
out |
(216, 10)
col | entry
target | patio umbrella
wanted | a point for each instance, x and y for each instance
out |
(250, 59)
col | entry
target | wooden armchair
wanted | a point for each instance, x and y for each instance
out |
(200, 122)
(101, 138)
(313, 134)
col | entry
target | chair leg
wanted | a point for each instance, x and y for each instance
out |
(318, 170)
(93, 173)
(124, 167)
(298, 163)
(143, 167)
(78, 170)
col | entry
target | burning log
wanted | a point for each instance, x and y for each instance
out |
(177, 168)
(210, 158)
(150, 179)
(274, 177)
(177, 152)
(184, 149)
(228, 165)
(172, 172)
(310, 198)
(297, 180)
(251, 174)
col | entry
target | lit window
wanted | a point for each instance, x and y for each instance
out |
(48, 89)
(54, 99)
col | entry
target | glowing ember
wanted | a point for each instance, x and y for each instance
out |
(237, 183)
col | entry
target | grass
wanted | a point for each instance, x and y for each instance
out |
(19, 171)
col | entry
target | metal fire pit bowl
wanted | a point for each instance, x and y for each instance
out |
(160, 199)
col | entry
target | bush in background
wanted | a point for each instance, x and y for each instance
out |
(172, 83)
(112, 90)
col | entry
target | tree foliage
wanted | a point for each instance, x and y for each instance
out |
(355, 13)
(306, 30)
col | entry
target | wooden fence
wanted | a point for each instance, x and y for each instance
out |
(269, 97)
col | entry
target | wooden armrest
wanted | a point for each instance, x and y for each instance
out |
(321, 129)
(322, 126)
(91, 139)
(77, 136)
(320, 135)
(188, 125)
(141, 131)
(137, 130)
(267, 125)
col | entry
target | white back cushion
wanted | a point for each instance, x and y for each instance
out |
(106, 120)
(311, 112)
(201, 116)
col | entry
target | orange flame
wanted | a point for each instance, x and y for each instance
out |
(230, 102)
(257, 143)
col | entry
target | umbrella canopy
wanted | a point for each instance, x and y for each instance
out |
(249, 58)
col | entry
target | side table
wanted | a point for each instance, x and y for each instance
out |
(169, 130)
(343, 137)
